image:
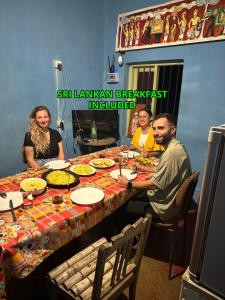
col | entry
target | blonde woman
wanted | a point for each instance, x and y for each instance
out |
(41, 143)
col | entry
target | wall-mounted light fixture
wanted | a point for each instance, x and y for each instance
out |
(120, 58)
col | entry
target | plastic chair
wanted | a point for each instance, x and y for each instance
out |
(103, 270)
(183, 199)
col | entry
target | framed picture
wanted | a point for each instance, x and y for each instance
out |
(171, 23)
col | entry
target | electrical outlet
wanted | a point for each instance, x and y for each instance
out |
(57, 64)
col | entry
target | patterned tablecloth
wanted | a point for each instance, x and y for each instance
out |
(45, 227)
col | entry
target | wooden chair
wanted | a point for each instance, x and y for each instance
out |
(104, 269)
(183, 200)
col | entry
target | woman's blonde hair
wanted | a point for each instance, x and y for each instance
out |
(38, 136)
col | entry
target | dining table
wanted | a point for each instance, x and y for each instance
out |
(45, 226)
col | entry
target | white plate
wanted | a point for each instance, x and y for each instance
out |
(92, 170)
(16, 198)
(129, 154)
(87, 196)
(125, 172)
(57, 164)
(100, 163)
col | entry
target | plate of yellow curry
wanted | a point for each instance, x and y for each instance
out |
(83, 170)
(60, 178)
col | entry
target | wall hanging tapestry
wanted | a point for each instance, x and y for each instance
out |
(171, 23)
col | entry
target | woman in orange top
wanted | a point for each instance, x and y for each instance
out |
(143, 139)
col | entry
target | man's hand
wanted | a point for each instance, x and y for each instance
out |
(150, 169)
(142, 184)
(122, 180)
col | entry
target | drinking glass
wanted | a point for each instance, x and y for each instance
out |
(134, 165)
(124, 161)
(57, 199)
(143, 152)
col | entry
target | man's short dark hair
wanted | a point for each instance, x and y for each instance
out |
(170, 118)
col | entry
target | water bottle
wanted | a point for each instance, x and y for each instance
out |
(93, 131)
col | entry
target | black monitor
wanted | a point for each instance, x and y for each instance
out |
(107, 122)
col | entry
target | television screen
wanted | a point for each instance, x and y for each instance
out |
(107, 122)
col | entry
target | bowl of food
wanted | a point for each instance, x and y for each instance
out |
(146, 161)
(60, 178)
(34, 186)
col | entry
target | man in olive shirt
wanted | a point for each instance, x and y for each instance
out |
(174, 167)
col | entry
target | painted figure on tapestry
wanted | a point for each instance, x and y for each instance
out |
(174, 27)
(216, 18)
(157, 27)
(182, 24)
(137, 33)
(193, 25)
(126, 33)
(166, 29)
(131, 34)
(146, 33)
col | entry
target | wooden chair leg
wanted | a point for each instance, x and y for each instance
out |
(171, 254)
(52, 291)
(132, 290)
(184, 243)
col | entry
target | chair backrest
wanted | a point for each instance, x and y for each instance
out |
(123, 269)
(103, 270)
(185, 192)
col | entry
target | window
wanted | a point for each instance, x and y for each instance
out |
(161, 76)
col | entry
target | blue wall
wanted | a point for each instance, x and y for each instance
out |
(82, 34)
(202, 102)
(32, 34)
